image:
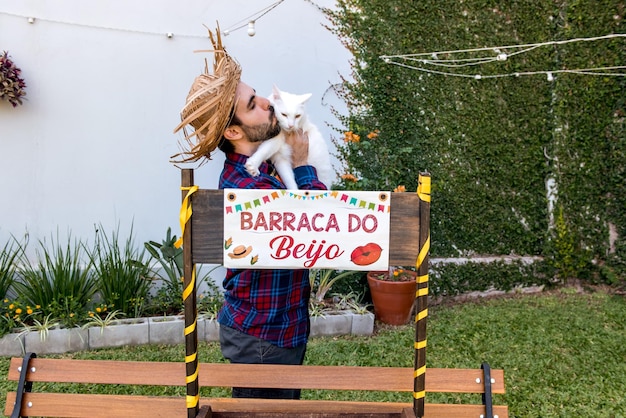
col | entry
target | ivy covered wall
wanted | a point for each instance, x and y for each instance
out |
(493, 144)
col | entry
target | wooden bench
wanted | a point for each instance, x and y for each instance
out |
(202, 216)
(43, 403)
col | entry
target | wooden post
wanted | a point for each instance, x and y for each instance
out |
(189, 299)
(421, 295)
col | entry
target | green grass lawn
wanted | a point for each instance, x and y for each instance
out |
(563, 353)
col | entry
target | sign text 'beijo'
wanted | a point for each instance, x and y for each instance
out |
(344, 230)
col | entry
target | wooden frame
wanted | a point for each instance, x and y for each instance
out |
(201, 217)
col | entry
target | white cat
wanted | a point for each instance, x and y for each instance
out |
(290, 113)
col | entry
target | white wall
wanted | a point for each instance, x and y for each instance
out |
(105, 85)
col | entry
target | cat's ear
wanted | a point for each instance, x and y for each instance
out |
(305, 97)
(275, 92)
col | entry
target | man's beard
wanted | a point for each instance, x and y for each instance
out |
(264, 131)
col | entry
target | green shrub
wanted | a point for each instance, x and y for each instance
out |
(490, 144)
(565, 255)
(59, 280)
(454, 279)
(11, 252)
(122, 272)
(169, 296)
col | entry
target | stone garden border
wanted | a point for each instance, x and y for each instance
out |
(168, 330)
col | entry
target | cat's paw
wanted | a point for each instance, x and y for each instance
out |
(252, 169)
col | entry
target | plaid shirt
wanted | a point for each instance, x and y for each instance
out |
(268, 304)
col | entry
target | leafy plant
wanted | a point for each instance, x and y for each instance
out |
(317, 310)
(351, 301)
(70, 311)
(122, 273)
(102, 321)
(11, 252)
(15, 313)
(11, 84)
(339, 302)
(43, 327)
(322, 280)
(169, 296)
(567, 257)
(170, 258)
(396, 274)
(358, 308)
(210, 303)
(59, 281)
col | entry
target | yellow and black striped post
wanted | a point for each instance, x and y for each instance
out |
(189, 296)
(421, 295)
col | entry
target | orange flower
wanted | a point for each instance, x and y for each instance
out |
(351, 137)
(400, 188)
(373, 134)
(349, 177)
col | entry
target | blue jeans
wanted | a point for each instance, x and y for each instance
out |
(238, 347)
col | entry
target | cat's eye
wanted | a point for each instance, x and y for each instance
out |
(284, 114)
(297, 116)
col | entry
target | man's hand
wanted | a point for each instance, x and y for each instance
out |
(299, 143)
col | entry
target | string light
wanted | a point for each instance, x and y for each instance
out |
(581, 71)
(251, 29)
(250, 20)
(432, 59)
(31, 19)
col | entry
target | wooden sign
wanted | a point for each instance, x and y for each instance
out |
(343, 230)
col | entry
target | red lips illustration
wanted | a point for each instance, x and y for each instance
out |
(366, 254)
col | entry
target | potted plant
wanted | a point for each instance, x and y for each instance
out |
(11, 84)
(393, 294)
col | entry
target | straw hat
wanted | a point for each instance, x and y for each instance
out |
(240, 251)
(209, 103)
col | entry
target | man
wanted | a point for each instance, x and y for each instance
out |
(265, 315)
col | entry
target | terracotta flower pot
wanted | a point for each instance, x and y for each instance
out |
(393, 300)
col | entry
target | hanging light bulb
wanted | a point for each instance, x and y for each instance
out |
(550, 76)
(251, 28)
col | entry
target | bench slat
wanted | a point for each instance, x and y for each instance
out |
(107, 406)
(72, 405)
(394, 379)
